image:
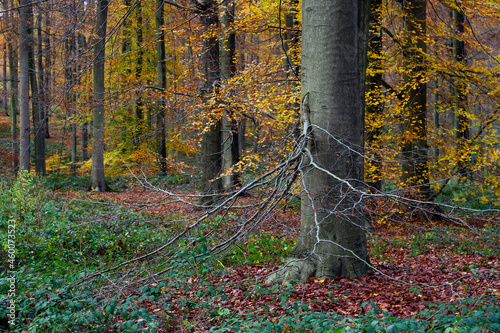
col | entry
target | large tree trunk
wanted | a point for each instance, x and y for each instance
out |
(415, 169)
(97, 171)
(161, 147)
(211, 140)
(230, 138)
(332, 239)
(26, 39)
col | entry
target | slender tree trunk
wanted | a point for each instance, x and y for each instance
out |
(47, 76)
(415, 169)
(332, 239)
(71, 97)
(5, 100)
(38, 101)
(230, 138)
(13, 105)
(462, 122)
(375, 108)
(97, 171)
(211, 140)
(26, 39)
(162, 85)
(82, 45)
(139, 107)
(35, 110)
(13, 85)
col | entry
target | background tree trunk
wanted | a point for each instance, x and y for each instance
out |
(40, 126)
(332, 239)
(161, 147)
(211, 140)
(26, 39)
(97, 171)
(462, 122)
(13, 85)
(230, 138)
(376, 107)
(47, 76)
(415, 169)
(35, 109)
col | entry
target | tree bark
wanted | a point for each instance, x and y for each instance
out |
(230, 138)
(47, 76)
(26, 39)
(415, 169)
(375, 108)
(42, 111)
(139, 107)
(211, 141)
(462, 122)
(35, 109)
(82, 45)
(97, 170)
(161, 67)
(13, 86)
(332, 239)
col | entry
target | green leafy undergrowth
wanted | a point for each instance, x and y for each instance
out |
(468, 316)
(484, 242)
(260, 248)
(59, 240)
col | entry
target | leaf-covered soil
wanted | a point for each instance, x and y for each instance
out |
(412, 267)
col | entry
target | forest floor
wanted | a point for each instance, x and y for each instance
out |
(414, 264)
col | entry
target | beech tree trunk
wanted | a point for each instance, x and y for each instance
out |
(97, 170)
(230, 138)
(40, 125)
(332, 239)
(26, 39)
(35, 109)
(211, 141)
(161, 67)
(82, 45)
(462, 122)
(415, 169)
(47, 75)
(376, 107)
(13, 86)
(139, 112)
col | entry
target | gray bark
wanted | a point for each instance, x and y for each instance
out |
(26, 39)
(332, 239)
(13, 86)
(376, 108)
(211, 141)
(139, 107)
(82, 45)
(97, 170)
(230, 138)
(161, 67)
(38, 100)
(462, 122)
(47, 75)
(415, 169)
(35, 110)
